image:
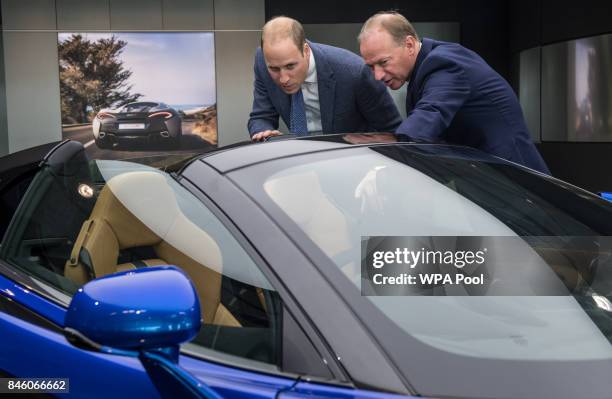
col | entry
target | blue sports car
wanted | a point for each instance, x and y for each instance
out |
(238, 274)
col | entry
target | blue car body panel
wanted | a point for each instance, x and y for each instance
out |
(30, 351)
(607, 196)
(233, 383)
(95, 375)
(27, 298)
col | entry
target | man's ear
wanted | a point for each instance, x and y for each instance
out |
(306, 51)
(410, 43)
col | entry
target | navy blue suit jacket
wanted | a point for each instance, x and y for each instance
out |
(455, 96)
(349, 98)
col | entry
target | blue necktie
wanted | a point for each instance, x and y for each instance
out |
(297, 119)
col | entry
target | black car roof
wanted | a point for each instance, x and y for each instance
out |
(226, 159)
(246, 153)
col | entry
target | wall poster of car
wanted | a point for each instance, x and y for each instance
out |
(143, 91)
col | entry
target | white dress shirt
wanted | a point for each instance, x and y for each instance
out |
(310, 91)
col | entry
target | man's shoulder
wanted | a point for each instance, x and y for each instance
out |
(335, 54)
(437, 49)
(259, 59)
(259, 54)
(453, 53)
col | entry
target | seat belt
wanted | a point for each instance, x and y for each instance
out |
(80, 254)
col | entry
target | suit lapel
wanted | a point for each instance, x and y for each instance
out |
(410, 97)
(327, 89)
(280, 100)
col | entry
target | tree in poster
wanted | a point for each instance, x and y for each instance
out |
(92, 77)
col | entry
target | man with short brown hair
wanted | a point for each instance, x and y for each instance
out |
(314, 87)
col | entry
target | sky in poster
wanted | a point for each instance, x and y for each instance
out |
(177, 68)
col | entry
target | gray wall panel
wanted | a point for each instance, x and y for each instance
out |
(82, 15)
(188, 14)
(239, 14)
(554, 92)
(235, 52)
(339, 35)
(32, 89)
(4, 149)
(136, 15)
(529, 90)
(577, 90)
(28, 14)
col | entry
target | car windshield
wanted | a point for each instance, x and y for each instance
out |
(139, 107)
(339, 198)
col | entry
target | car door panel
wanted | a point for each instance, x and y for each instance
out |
(235, 383)
(25, 296)
(94, 375)
(29, 351)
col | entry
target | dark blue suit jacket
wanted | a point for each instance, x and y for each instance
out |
(454, 96)
(349, 98)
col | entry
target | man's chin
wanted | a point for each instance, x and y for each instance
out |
(395, 84)
(291, 90)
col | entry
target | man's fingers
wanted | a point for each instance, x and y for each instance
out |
(265, 134)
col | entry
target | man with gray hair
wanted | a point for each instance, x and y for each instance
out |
(314, 87)
(453, 95)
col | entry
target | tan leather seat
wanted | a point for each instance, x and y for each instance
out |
(140, 209)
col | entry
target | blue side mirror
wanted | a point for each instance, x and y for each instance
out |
(145, 313)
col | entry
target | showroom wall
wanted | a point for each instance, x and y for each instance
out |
(544, 36)
(29, 36)
(510, 35)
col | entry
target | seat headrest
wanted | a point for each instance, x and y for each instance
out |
(148, 202)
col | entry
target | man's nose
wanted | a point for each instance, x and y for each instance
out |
(284, 77)
(378, 72)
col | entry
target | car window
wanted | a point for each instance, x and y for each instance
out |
(336, 198)
(107, 216)
(329, 200)
(139, 107)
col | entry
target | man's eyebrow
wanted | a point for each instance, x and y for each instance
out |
(381, 60)
(375, 62)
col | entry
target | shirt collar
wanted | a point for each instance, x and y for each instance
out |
(311, 76)
(424, 48)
